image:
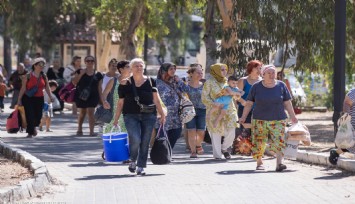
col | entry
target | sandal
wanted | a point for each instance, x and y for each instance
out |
(260, 167)
(79, 133)
(193, 155)
(281, 167)
(199, 150)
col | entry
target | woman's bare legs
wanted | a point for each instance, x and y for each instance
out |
(81, 117)
(90, 112)
(192, 140)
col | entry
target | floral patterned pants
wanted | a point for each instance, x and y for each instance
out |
(262, 131)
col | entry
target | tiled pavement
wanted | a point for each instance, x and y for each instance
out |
(83, 177)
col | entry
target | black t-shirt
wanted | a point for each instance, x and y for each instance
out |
(145, 93)
(53, 76)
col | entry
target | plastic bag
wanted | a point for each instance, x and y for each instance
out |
(345, 136)
(299, 132)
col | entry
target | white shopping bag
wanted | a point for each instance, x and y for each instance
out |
(345, 136)
(291, 148)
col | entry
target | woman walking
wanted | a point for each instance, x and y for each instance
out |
(31, 95)
(170, 89)
(197, 126)
(271, 97)
(88, 94)
(125, 72)
(253, 70)
(226, 127)
(139, 102)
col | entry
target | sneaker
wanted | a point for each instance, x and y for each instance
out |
(49, 130)
(140, 171)
(227, 155)
(40, 128)
(334, 156)
(132, 167)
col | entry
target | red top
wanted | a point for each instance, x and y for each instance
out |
(2, 89)
(32, 82)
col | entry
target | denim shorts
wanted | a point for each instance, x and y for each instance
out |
(199, 121)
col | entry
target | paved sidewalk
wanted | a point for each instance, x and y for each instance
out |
(83, 177)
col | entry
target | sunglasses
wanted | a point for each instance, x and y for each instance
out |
(92, 61)
(41, 64)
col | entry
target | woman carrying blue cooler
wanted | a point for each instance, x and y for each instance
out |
(139, 103)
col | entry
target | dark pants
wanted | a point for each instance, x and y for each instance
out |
(2, 102)
(240, 113)
(33, 109)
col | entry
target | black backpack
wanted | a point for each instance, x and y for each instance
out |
(161, 151)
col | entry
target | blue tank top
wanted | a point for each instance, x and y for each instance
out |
(246, 89)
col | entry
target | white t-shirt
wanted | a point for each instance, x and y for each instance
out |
(67, 73)
(105, 81)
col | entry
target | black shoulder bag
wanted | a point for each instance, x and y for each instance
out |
(143, 108)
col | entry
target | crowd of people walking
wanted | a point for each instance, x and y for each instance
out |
(124, 96)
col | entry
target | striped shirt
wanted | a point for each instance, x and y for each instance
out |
(351, 111)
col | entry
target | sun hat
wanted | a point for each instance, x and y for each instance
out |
(39, 59)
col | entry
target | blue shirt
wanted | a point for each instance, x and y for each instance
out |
(195, 97)
(269, 101)
(170, 97)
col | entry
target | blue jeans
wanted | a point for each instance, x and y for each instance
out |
(139, 128)
(173, 135)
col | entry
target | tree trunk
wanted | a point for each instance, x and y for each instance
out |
(103, 44)
(229, 40)
(209, 37)
(128, 46)
(7, 46)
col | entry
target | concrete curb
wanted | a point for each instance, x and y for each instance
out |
(29, 187)
(322, 159)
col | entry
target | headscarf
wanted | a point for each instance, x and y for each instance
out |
(267, 67)
(163, 69)
(216, 72)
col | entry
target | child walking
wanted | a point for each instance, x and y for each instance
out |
(222, 102)
(49, 106)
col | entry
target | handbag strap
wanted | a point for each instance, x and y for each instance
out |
(38, 79)
(136, 97)
(173, 88)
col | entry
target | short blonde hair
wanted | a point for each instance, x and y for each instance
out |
(136, 60)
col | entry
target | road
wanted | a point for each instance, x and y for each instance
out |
(81, 176)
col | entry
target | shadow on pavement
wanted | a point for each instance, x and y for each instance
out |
(99, 177)
(334, 176)
(97, 164)
(232, 172)
(61, 148)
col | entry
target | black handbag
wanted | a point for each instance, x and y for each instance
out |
(103, 115)
(161, 152)
(143, 108)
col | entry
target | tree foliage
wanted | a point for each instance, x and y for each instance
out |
(298, 27)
